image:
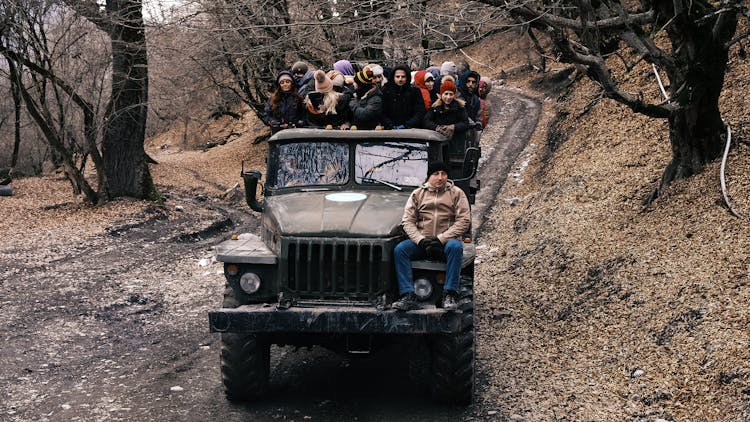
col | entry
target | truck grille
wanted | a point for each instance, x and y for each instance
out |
(325, 268)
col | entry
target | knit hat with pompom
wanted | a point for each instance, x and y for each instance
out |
(322, 83)
(364, 77)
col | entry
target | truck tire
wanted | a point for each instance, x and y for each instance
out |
(453, 358)
(245, 361)
(419, 362)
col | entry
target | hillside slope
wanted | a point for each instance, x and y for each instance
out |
(593, 308)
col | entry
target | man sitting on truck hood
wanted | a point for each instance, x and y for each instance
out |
(435, 216)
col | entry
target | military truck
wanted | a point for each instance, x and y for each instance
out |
(321, 273)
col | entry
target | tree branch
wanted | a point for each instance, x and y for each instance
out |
(617, 22)
(600, 73)
(90, 10)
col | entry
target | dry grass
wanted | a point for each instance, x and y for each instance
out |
(580, 287)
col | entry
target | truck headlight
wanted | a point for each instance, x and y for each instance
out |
(422, 288)
(250, 282)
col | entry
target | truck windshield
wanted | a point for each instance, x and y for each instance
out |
(312, 163)
(397, 163)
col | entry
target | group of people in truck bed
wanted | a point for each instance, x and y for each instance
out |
(443, 99)
(438, 98)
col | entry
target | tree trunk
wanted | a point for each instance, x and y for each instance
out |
(696, 128)
(125, 126)
(16, 94)
(695, 136)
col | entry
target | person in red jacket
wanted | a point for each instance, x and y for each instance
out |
(425, 82)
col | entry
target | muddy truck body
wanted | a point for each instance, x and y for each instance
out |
(321, 272)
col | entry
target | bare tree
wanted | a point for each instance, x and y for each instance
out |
(16, 94)
(30, 56)
(125, 162)
(48, 90)
(698, 37)
(253, 40)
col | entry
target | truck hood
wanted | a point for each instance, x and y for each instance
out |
(346, 214)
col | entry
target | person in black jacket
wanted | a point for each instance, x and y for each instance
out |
(284, 107)
(403, 106)
(447, 115)
(468, 84)
(367, 104)
(303, 77)
(327, 108)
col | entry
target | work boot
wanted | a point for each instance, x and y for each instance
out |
(406, 302)
(449, 300)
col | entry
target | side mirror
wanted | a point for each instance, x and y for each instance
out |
(470, 164)
(250, 179)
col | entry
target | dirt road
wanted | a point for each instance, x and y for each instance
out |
(114, 327)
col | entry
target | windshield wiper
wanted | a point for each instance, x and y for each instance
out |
(372, 179)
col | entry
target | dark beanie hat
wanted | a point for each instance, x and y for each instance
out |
(299, 67)
(364, 76)
(436, 166)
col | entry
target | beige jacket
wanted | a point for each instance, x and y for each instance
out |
(444, 213)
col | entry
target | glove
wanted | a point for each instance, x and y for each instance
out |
(426, 242)
(435, 249)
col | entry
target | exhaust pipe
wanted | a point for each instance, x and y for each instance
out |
(251, 184)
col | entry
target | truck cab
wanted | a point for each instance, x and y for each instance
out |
(321, 273)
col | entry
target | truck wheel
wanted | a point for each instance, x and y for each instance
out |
(419, 362)
(453, 358)
(245, 361)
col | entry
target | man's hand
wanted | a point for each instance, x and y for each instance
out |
(432, 246)
(434, 249)
(426, 242)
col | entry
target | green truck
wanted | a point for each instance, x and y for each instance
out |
(321, 271)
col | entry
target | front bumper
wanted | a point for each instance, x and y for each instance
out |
(333, 320)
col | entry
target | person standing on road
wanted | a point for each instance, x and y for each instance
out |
(421, 81)
(436, 215)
